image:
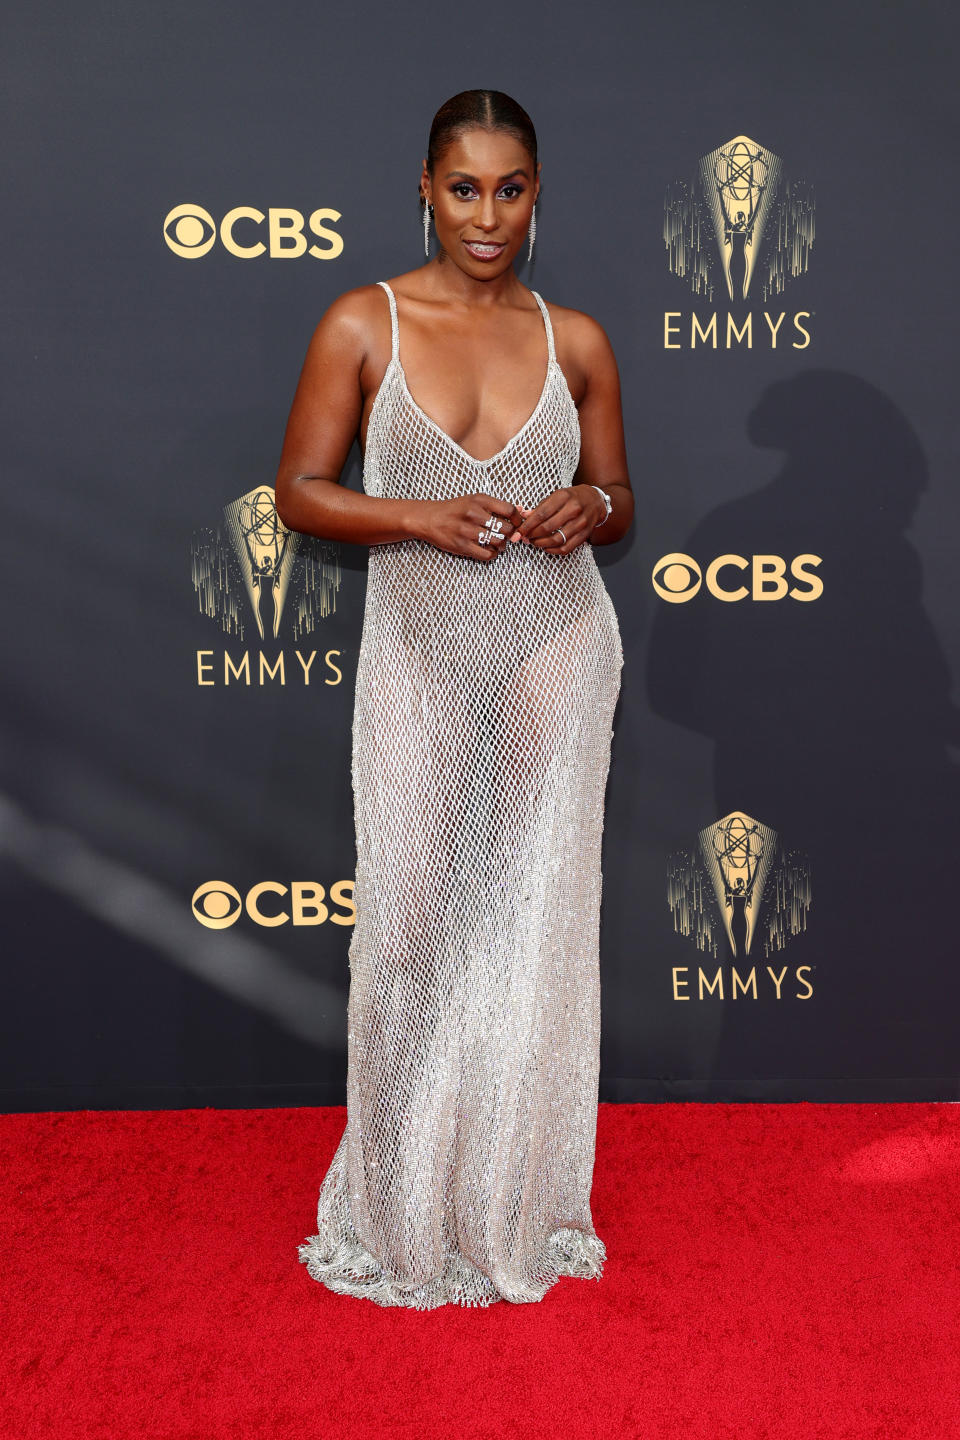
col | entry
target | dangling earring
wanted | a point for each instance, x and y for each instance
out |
(533, 231)
(427, 212)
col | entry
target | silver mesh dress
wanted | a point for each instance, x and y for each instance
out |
(481, 743)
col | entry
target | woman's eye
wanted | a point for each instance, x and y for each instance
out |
(465, 191)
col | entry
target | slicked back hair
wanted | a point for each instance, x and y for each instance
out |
(484, 110)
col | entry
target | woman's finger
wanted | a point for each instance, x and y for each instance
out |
(522, 513)
(478, 517)
(483, 544)
(573, 534)
(567, 513)
(542, 512)
(473, 550)
(504, 508)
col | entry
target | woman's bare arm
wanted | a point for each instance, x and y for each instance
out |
(323, 424)
(603, 453)
(341, 366)
(578, 510)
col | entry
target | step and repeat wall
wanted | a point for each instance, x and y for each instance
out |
(759, 203)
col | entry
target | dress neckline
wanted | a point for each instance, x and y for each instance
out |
(455, 444)
(428, 420)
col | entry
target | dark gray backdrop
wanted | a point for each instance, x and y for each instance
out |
(145, 391)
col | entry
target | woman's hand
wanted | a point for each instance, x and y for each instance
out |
(455, 525)
(575, 510)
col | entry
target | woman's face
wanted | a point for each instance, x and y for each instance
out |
(483, 191)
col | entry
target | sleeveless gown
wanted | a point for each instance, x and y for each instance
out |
(481, 744)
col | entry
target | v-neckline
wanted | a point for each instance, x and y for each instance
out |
(454, 443)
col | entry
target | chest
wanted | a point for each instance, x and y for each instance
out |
(409, 455)
(480, 391)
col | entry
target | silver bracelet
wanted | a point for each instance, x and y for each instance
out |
(607, 501)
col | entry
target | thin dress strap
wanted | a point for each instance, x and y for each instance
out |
(551, 351)
(394, 326)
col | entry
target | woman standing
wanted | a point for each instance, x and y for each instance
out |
(488, 673)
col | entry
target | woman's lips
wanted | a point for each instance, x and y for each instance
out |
(484, 249)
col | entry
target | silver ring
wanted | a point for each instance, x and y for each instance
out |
(560, 532)
(491, 531)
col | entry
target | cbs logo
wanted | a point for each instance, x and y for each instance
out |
(190, 231)
(217, 905)
(678, 577)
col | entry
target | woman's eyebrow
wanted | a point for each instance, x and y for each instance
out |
(462, 174)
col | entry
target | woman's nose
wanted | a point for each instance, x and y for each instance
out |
(487, 219)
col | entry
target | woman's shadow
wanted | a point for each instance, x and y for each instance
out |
(831, 719)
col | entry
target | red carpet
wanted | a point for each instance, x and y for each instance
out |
(774, 1271)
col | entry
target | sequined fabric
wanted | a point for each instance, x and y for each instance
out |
(481, 745)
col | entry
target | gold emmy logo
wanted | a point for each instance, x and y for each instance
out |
(739, 224)
(190, 231)
(252, 557)
(739, 889)
(218, 905)
(677, 578)
(251, 571)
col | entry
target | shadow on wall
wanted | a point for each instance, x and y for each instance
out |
(831, 719)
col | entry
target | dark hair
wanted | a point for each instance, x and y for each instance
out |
(484, 110)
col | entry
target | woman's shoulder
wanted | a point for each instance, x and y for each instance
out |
(577, 322)
(355, 308)
(577, 334)
(354, 326)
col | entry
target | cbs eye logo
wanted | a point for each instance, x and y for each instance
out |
(677, 577)
(190, 231)
(218, 905)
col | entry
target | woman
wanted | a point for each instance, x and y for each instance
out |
(488, 672)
